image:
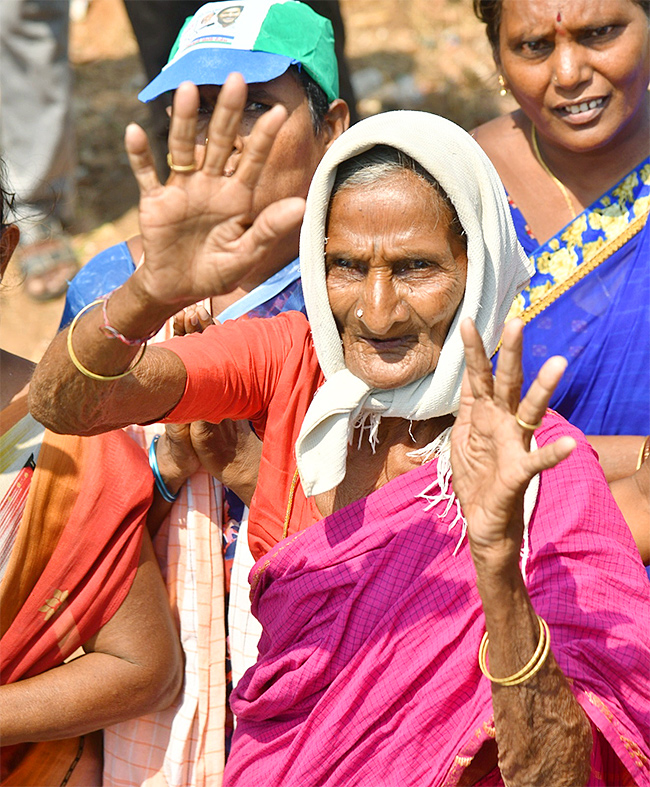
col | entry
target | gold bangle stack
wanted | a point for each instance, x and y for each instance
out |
(525, 673)
(82, 368)
(644, 453)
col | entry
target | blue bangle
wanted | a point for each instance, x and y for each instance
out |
(160, 484)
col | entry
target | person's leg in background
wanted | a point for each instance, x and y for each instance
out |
(37, 137)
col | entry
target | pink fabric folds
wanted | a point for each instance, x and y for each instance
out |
(368, 662)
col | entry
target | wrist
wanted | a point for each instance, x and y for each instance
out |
(135, 312)
(496, 561)
(171, 472)
(502, 591)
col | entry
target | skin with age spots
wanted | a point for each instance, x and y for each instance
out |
(392, 253)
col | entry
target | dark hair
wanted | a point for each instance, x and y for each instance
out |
(489, 12)
(316, 97)
(7, 198)
(382, 161)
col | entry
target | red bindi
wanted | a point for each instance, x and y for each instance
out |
(558, 18)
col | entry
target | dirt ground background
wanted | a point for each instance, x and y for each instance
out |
(415, 54)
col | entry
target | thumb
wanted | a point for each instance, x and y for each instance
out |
(274, 223)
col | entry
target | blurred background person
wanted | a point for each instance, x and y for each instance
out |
(37, 138)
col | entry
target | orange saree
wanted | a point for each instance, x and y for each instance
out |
(73, 555)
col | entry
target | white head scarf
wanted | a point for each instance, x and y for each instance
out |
(497, 270)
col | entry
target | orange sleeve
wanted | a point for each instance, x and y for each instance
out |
(233, 370)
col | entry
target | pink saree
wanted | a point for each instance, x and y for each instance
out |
(367, 670)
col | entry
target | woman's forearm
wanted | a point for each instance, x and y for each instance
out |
(618, 454)
(81, 696)
(543, 735)
(132, 666)
(632, 495)
(69, 402)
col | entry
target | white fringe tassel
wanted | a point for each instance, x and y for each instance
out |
(441, 448)
(369, 421)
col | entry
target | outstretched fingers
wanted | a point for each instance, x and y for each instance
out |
(224, 124)
(259, 146)
(548, 456)
(141, 159)
(477, 365)
(509, 374)
(273, 224)
(182, 128)
(532, 407)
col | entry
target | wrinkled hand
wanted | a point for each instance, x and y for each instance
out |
(198, 233)
(231, 452)
(177, 460)
(193, 319)
(490, 452)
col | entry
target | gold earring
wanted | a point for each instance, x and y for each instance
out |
(504, 90)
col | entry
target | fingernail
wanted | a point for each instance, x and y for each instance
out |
(203, 313)
(194, 320)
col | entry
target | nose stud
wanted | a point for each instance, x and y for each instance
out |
(359, 313)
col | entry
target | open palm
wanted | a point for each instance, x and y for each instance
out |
(490, 450)
(199, 236)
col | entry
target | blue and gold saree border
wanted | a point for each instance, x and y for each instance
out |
(592, 237)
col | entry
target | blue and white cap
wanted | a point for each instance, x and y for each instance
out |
(258, 38)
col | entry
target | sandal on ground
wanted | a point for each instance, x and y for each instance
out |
(47, 266)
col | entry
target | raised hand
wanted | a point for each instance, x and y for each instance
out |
(199, 236)
(490, 448)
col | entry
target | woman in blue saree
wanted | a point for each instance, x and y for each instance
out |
(574, 161)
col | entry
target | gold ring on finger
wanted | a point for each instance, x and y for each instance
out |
(180, 167)
(525, 425)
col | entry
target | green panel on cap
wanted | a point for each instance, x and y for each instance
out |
(178, 39)
(295, 30)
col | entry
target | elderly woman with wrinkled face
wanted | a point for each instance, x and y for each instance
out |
(447, 590)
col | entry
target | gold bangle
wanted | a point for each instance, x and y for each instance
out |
(525, 673)
(644, 453)
(82, 368)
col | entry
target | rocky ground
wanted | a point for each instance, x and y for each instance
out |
(416, 54)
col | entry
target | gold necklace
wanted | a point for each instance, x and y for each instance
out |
(555, 180)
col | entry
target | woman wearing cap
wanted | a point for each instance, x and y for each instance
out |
(575, 162)
(286, 52)
(418, 628)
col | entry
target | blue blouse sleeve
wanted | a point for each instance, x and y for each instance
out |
(101, 275)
